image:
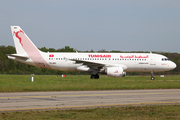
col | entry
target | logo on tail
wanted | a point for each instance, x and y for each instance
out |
(16, 34)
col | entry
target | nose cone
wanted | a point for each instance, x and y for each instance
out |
(173, 65)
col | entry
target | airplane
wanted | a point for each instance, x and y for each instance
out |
(111, 64)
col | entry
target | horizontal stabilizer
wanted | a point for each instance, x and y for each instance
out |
(18, 56)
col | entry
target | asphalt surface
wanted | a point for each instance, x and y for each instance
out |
(86, 99)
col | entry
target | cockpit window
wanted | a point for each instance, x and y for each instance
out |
(165, 59)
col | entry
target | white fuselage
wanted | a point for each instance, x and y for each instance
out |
(141, 62)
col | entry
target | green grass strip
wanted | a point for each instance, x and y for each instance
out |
(156, 112)
(22, 83)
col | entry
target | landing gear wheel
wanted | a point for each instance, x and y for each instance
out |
(152, 78)
(94, 76)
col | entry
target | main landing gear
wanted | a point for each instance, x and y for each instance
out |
(95, 76)
(152, 77)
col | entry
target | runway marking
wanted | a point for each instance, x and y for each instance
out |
(91, 106)
(88, 95)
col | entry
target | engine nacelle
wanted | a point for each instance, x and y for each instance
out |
(115, 72)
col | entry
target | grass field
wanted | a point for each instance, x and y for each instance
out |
(20, 83)
(157, 112)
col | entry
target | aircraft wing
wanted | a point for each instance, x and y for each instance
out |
(97, 65)
(93, 65)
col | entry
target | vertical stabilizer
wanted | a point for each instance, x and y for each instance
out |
(22, 42)
(26, 49)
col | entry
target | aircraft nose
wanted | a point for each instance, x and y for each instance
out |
(173, 65)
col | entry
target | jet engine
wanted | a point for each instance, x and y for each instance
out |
(115, 72)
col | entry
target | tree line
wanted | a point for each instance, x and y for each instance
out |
(8, 66)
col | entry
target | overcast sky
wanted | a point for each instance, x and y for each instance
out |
(125, 25)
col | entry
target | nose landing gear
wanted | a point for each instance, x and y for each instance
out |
(152, 77)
